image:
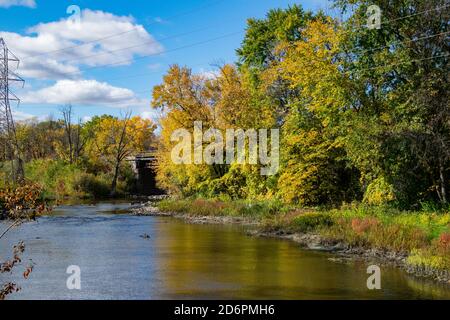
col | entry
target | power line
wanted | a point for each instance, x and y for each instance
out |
(366, 69)
(404, 62)
(213, 39)
(145, 74)
(151, 73)
(401, 18)
(197, 30)
(368, 50)
(376, 67)
(419, 13)
(403, 42)
(131, 60)
(150, 55)
(148, 42)
(122, 33)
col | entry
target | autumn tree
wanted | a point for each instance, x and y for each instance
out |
(116, 139)
(226, 101)
(258, 50)
(315, 169)
(40, 139)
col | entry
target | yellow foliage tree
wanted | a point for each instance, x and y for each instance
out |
(116, 139)
(314, 170)
(221, 102)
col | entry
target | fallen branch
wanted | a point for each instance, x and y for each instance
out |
(15, 223)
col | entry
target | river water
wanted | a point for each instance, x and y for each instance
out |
(184, 261)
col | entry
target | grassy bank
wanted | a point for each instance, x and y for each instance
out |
(62, 180)
(423, 235)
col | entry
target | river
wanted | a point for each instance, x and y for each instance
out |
(184, 261)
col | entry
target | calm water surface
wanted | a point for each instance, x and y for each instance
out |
(183, 261)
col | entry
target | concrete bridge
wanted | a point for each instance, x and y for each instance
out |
(143, 165)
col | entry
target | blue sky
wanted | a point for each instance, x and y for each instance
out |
(64, 60)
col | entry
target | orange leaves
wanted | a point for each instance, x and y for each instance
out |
(28, 271)
(9, 265)
(444, 241)
(22, 201)
(7, 289)
(361, 225)
(183, 91)
(19, 202)
(221, 100)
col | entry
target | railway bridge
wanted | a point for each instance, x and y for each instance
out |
(143, 165)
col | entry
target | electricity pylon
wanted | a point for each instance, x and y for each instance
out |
(7, 126)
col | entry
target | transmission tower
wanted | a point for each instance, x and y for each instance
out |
(7, 126)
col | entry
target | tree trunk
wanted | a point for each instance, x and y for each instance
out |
(442, 181)
(114, 181)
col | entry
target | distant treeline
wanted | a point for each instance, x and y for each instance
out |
(69, 157)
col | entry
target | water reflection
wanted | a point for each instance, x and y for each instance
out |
(185, 261)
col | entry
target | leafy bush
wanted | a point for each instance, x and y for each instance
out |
(23, 201)
(379, 192)
(56, 177)
(432, 257)
(91, 185)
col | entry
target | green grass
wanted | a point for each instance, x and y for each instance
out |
(61, 180)
(216, 207)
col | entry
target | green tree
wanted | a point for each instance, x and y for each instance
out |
(402, 103)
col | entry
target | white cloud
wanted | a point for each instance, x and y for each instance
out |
(84, 92)
(21, 3)
(86, 119)
(41, 50)
(21, 116)
(209, 74)
(150, 115)
(154, 66)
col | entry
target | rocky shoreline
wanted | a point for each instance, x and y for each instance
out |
(310, 241)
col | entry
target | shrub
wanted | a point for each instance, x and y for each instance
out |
(444, 241)
(379, 192)
(255, 209)
(24, 201)
(311, 221)
(221, 207)
(195, 207)
(372, 232)
(201, 207)
(430, 258)
(90, 185)
(361, 225)
(56, 177)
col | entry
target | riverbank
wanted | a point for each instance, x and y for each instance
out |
(383, 238)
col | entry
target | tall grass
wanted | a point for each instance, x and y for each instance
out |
(60, 179)
(56, 177)
(216, 207)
